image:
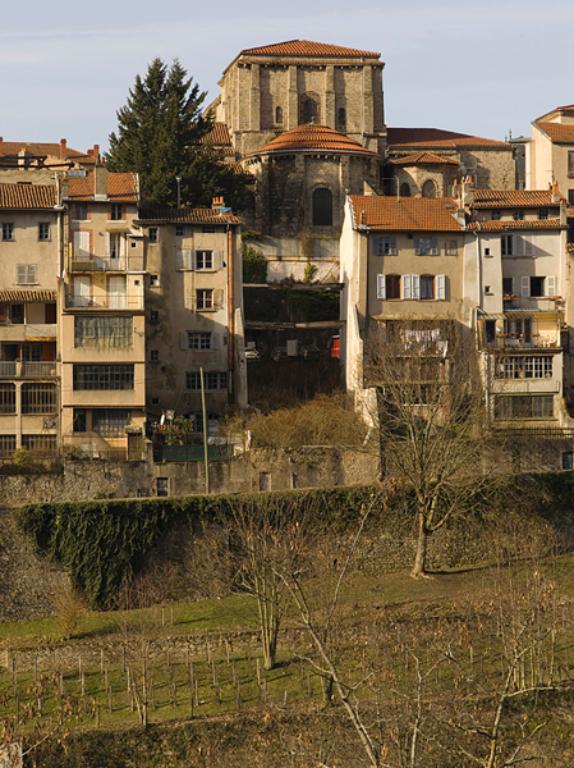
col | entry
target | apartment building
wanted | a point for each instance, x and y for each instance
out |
(194, 317)
(402, 269)
(102, 322)
(520, 241)
(30, 225)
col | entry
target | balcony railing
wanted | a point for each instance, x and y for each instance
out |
(519, 342)
(97, 264)
(128, 301)
(14, 369)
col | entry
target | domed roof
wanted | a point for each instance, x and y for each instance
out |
(313, 138)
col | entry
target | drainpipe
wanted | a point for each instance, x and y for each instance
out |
(230, 304)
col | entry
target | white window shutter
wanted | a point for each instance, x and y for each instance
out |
(178, 258)
(416, 283)
(32, 273)
(20, 274)
(218, 298)
(381, 287)
(441, 287)
(525, 285)
(550, 285)
(407, 287)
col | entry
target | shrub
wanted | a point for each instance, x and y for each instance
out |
(254, 265)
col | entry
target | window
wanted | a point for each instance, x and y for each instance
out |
(117, 212)
(99, 332)
(7, 446)
(451, 247)
(204, 259)
(152, 234)
(537, 286)
(154, 317)
(213, 380)
(162, 486)
(12, 314)
(44, 230)
(95, 377)
(524, 367)
(26, 274)
(426, 246)
(80, 211)
(567, 462)
(39, 398)
(80, 421)
(278, 115)
(523, 407)
(342, 119)
(393, 286)
(385, 246)
(570, 164)
(507, 286)
(309, 110)
(506, 245)
(429, 188)
(154, 281)
(490, 331)
(7, 398)
(7, 231)
(405, 189)
(154, 355)
(45, 444)
(322, 207)
(427, 286)
(198, 340)
(543, 214)
(487, 251)
(110, 422)
(496, 215)
(518, 215)
(571, 197)
(179, 230)
(488, 290)
(520, 328)
(204, 299)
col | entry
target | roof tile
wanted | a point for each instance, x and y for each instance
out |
(162, 215)
(406, 214)
(436, 138)
(27, 196)
(497, 225)
(423, 158)
(312, 137)
(511, 198)
(559, 133)
(121, 187)
(307, 48)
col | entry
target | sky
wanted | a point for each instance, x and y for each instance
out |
(484, 67)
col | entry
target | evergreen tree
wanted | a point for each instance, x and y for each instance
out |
(159, 135)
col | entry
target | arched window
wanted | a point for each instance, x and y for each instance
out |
(278, 115)
(341, 119)
(322, 207)
(429, 188)
(309, 110)
(405, 189)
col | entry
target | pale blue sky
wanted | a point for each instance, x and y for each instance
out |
(480, 67)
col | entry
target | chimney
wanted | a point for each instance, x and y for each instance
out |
(555, 192)
(217, 203)
(63, 143)
(100, 183)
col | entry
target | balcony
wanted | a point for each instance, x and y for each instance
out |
(510, 343)
(97, 264)
(133, 302)
(16, 369)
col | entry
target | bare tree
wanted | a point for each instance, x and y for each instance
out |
(431, 420)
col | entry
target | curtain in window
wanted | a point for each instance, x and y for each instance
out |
(104, 332)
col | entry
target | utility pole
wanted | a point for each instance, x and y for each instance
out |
(204, 417)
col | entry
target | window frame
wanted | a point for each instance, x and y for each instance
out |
(8, 230)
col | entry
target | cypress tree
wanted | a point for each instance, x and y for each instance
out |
(159, 135)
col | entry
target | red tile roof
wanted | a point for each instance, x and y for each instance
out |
(37, 149)
(311, 137)
(27, 294)
(121, 187)
(511, 198)
(218, 135)
(27, 196)
(407, 214)
(497, 225)
(307, 48)
(162, 215)
(558, 132)
(436, 138)
(423, 158)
